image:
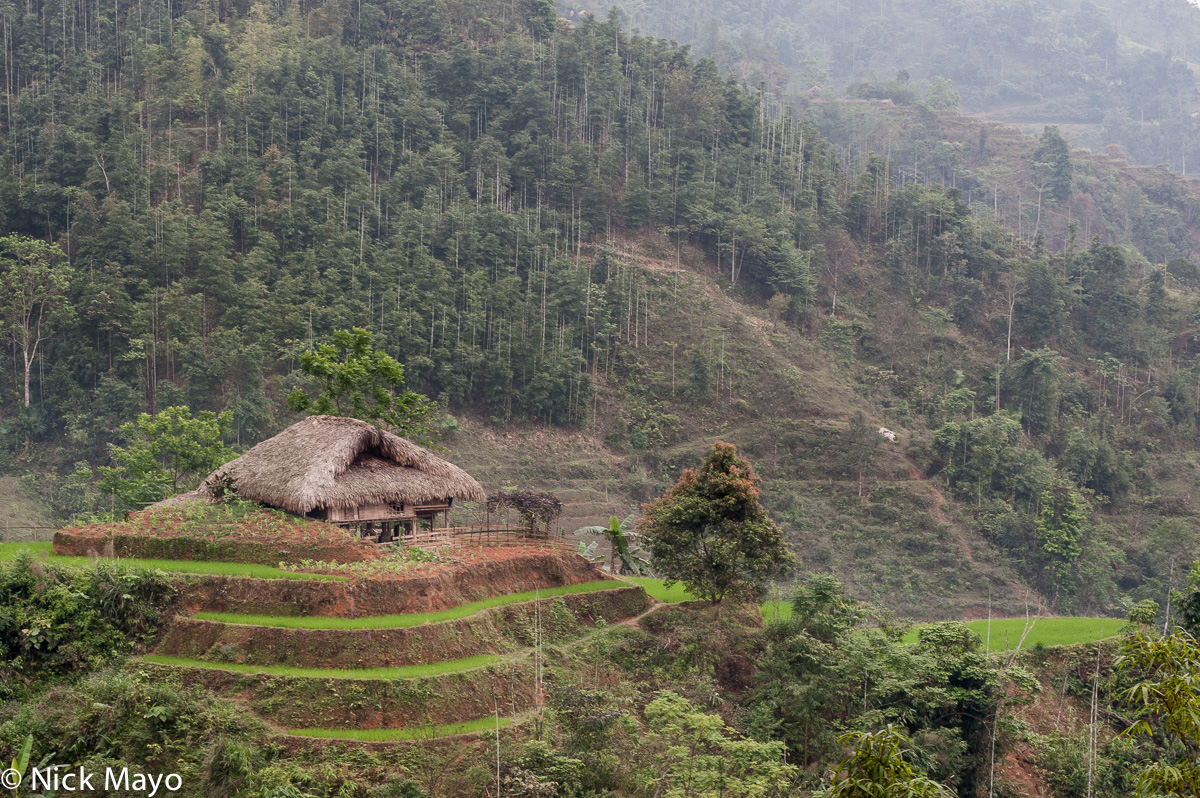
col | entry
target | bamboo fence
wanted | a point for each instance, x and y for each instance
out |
(27, 534)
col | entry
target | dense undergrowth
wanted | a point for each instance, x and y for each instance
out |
(59, 621)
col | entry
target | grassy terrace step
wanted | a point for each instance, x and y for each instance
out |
(771, 610)
(302, 702)
(408, 619)
(1047, 631)
(411, 733)
(403, 672)
(9, 551)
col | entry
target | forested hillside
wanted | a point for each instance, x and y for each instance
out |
(600, 254)
(1110, 72)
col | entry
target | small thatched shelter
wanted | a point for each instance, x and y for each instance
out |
(345, 471)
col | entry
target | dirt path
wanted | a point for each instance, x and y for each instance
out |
(654, 603)
(634, 620)
(939, 515)
(939, 498)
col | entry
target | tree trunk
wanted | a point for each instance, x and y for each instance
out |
(28, 358)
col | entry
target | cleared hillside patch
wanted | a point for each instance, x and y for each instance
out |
(406, 619)
(20, 512)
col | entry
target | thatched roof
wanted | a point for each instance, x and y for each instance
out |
(329, 461)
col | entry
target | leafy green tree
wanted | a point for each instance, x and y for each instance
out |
(167, 453)
(1096, 463)
(1034, 381)
(942, 96)
(878, 769)
(1145, 613)
(804, 675)
(710, 532)
(822, 608)
(1189, 605)
(825, 670)
(794, 275)
(1156, 297)
(695, 755)
(984, 456)
(359, 381)
(1167, 700)
(1052, 163)
(540, 15)
(34, 279)
(1061, 527)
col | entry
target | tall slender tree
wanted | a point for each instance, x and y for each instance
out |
(34, 279)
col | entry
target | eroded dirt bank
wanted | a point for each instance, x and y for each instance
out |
(492, 631)
(355, 598)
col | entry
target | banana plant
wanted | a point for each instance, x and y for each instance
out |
(21, 762)
(588, 551)
(627, 557)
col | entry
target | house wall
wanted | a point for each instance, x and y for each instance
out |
(380, 512)
(371, 511)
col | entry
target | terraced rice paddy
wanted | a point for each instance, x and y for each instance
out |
(9, 551)
(407, 619)
(1006, 632)
(1047, 631)
(409, 733)
(403, 672)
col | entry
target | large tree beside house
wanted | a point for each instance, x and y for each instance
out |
(710, 532)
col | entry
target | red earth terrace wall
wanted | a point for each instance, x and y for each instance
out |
(298, 702)
(363, 597)
(492, 631)
(79, 543)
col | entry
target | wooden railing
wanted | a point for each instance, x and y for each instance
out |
(27, 534)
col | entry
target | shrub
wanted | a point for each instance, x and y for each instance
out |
(55, 621)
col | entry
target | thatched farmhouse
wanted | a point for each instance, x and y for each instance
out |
(345, 471)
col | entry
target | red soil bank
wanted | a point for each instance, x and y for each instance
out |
(105, 541)
(491, 631)
(294, 702)
(448, 587)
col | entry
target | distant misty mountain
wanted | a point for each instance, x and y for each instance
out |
(1121, 74)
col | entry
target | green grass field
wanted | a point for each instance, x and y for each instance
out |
(408, 619)
(1047, 631)
(411, 733)
(658, 592)
(403, 672)
(776, 610)
(8, 551)
(771, 610)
